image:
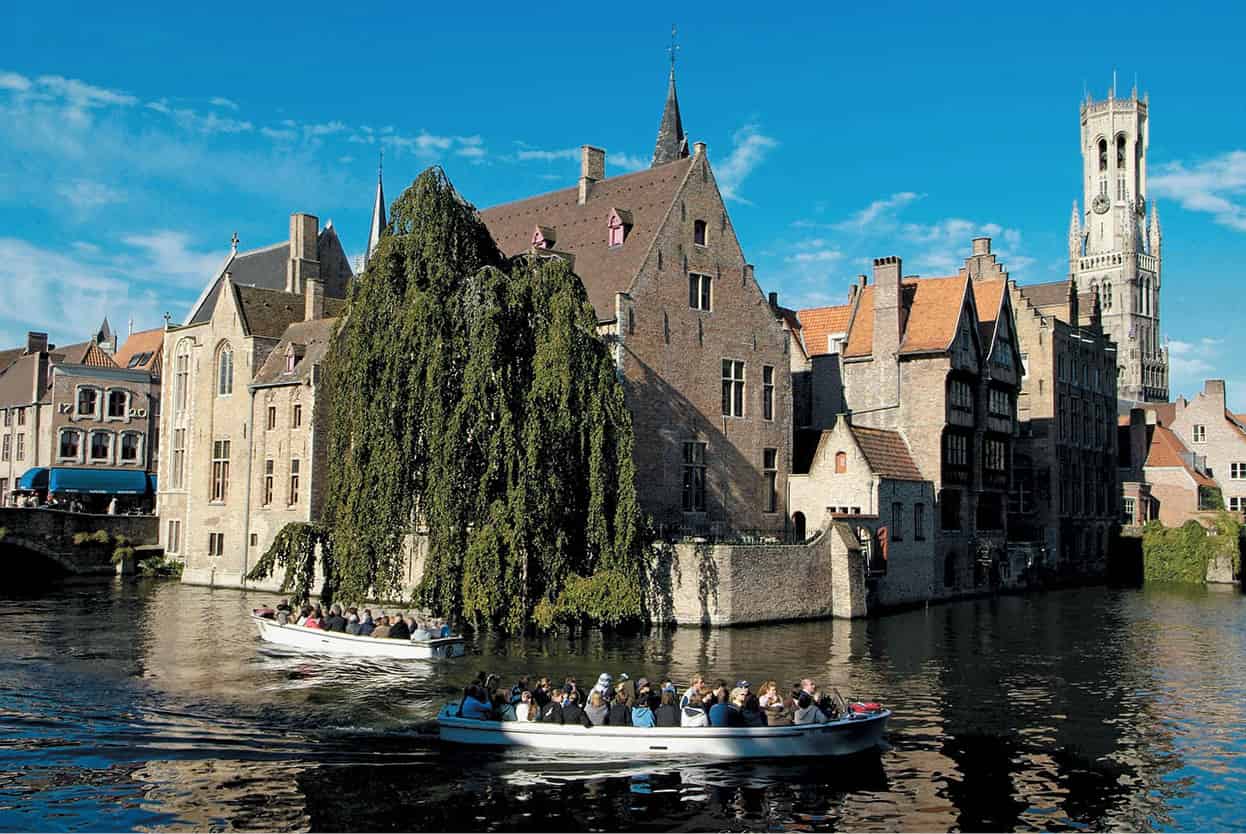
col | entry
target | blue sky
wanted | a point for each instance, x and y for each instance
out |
(134, 142)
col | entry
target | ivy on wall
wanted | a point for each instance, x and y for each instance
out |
(1182, 554)
(472, 394)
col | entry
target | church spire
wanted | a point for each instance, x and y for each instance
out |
(1075, 237)
(1154, 235)
(378, 213)
(671, 144)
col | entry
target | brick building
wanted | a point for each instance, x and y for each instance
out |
(241, 430)
(1161, 478)
(701, 353)
(76, 424)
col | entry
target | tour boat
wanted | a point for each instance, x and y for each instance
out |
(336, 642)
(842, 737)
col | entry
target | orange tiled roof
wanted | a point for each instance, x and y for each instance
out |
(988, 297)
(818, 323)
(1168, 450)
(932, 307)
(85, 353)
(887, 453)
(143, 346)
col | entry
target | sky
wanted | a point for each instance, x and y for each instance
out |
(134, 141)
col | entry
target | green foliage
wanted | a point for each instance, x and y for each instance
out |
(293, 551)
(3, 533)
(1210, 498)
(1182, 554)
(158, 566)
(98, 537)
(474, 394)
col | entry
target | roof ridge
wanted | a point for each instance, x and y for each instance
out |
(572, 189)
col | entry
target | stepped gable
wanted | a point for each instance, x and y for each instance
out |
(582, 230)
(310, 340)
(931, 312)
(268, 313)
(887, 453)
(818, 323)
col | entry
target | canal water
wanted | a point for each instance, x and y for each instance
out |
(152, 706)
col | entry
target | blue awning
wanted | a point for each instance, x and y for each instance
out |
(35, 478)
(151, 481)
(98, 481)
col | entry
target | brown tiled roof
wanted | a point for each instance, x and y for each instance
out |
(988, 297)
(311, 337)
(1165, 413)
(1046, 295)
(932, 311)
(818, 323)
(84, 353)
(1168, 450)
(17, 383)
(268, 313)
(8, 357)
(146, 344)
(887, 453)
(582, 230)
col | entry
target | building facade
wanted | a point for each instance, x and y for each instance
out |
(1213, 435)
(240, 421)
(1113, 250)
(701, 353)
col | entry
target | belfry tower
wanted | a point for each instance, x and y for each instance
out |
(1112, 248)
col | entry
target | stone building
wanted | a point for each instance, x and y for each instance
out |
(1064, 494)
(241, 431)
(1110, 251)
(933, 362)
(702, 355)
(74, 423)
(1161, 478)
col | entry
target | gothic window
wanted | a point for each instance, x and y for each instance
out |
(1120, 152)
(220, 470)
(181, 375)
(1103, 154)
(225, 371)
(1107, 295)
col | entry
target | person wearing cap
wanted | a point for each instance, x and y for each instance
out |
(604, 685)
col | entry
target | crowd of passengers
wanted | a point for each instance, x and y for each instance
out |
(400, 626)
(643, 703)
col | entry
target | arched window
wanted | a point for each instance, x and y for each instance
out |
(118, 403)
(88, 402)
(798, 527)
(698, 232)
(841, 463)
(1107, 295)
(70, 447)
(225, 371)
(1103, 154)
(181, 375)
(1120, 151)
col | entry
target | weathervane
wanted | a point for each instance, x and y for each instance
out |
(673, 48)
(233, 244)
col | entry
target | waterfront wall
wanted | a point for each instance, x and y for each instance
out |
(702, 584)
(50, 533)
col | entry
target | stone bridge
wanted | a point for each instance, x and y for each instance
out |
(49, 534)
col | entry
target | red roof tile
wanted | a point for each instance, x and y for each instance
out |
(887, 453)
(142, 350)
(1167, 450)
(818, 323)
(933, 308)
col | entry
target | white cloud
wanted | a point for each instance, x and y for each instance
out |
(85, 195)
(168, 255)
(422, 144)
(878, 213)
(208, 123)
(13, 81)
(1214, 186)
(749, 148)
(221, 101)
(327, 129)
(279, 134)
(527, 154)
(816, 256)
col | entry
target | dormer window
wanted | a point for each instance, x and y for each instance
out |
(291, 359)
(619, 224)
(698, 232)
(543, 237)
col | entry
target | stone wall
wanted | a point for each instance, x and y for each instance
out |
(723, 585)
(51, 533)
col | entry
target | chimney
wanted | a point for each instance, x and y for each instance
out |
(748, 274)
(982, 246)
(592, 169)
(36, 342)
(774, 301)
(698, 149)
(887, 272)
(1139, 438)
(313, 300)
(1214, 389)
(304, 255)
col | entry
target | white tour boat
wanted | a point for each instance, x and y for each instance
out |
(336, 642)
(841, 737)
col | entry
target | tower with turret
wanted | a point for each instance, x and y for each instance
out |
(1114, 251)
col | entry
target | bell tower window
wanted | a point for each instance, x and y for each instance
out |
(1103, 154)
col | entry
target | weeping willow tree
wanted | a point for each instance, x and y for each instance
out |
(472, 395)
(293, 553)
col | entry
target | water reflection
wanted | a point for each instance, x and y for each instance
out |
(152, 706)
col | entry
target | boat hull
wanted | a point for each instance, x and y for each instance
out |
(837, 738)
(333, 642)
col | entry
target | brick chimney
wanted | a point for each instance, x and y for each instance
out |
(313, 300)
(982, 246)
(887, 272)
(592, 169)
(36, 342)
(304, 251)
(1213, 389)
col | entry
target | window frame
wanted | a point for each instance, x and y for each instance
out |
(693, 498)
(181, 376)
(266, 495)
(734, 389)
(296, 416)
(292, 498)
(137, 436)
(79, 449)
(767, 393)
(108, 456)
(224, 370)
(897, 521)
(173, 536)
(770, 482)
(125, 404)
(218, 491)
(1198, 433)
(1237, 471)
(178, 459)
(919, 521)
(94, 391)
(701, 292)
(700, 229)
(271, 423)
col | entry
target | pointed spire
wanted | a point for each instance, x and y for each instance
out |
(671, 144)
(1075, 236)
(378, 212)
(1154, 235)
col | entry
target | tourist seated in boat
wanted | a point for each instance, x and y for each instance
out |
(474, 705)
(752, 712)
(573, 712)
(503, 709)
(520, 687)
(551, 710)
(725, 712)
(381, 630)
(398, 628)
(620, 713)
(667, 712)
(626, 689)
(525, 710)
(366, 623)
(540, 692)
(642, 713)
(694, 693)
(420, 633)
(807, 712)
(335, 621)
(597, 711)
(315, 619)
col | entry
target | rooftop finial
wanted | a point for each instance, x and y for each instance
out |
(380, 164)
(233, 244)
(674, 47)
